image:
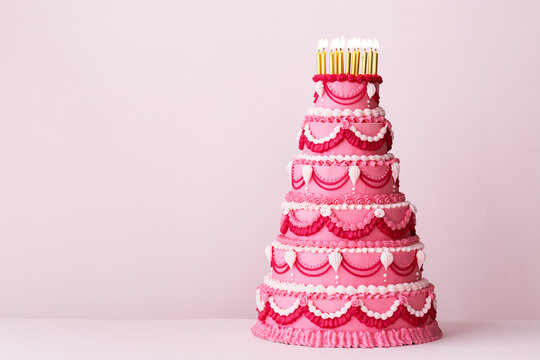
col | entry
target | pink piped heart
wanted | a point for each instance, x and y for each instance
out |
(345, 124)
(402, 300)
(303, 301)
(355, 301)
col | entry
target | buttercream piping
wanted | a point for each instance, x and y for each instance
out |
(375, 218)
(352, 199)
(377, 79)
(345, 243)
(364, 250)
(345, 290)
(399, 309)
(346, 158)
(288, 206)
(351, 135)
(348, 339)
(337, 113)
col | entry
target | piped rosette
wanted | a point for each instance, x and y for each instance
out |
(378, 174)
(349, 221)
(346, 266)
(367, 138)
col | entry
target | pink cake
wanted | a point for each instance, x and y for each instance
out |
(347, 266)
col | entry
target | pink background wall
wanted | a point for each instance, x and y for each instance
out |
(143, 148)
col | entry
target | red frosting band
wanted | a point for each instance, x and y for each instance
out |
(401, 312)
(346, 77)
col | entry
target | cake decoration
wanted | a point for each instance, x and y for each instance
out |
(346, 269)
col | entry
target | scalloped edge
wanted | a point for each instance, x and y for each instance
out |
(348, 339)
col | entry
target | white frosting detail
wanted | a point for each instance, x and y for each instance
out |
(288, 206)
(346, 290)
(258, 300)
(354, 174)
(340, 158)
(420, 313)
(386, 259)
(336, 314)
(284, 312)
(414, 209)
(290, 258)
(289, 167)
(379, 213)
(319, 87)
(371, 90)
(420, 258)
(395, 171)
(335, 258)
(313, 309)
(338, 128)
(307, 171)
(363, 250)
(325, 112)
(325, 211)
(268, 252)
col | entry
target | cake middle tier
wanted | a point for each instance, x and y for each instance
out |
(341, 135)
(340, 175)
(347, 266)
(352, 221)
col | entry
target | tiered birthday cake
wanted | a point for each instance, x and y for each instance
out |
(346, 269)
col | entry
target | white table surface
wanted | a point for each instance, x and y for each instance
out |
(232, 339)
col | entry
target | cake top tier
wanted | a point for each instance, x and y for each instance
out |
(347, 76)
(353, 56)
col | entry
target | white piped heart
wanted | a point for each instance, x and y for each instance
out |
(290, 258)
(307, 171)
(268, 252)
(395, 171)
(319, 87)
(386, 258)
(379, 213)
(371, 90)
(420, 257)
(354, 174)
(335, 259)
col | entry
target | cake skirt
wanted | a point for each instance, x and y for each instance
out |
(332, 338)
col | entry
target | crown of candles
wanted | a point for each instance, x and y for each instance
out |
(361, 57)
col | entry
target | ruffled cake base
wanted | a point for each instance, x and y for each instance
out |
(348, 339)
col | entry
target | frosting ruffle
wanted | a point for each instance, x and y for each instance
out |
(348, 339)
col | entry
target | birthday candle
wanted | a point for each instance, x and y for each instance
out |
(370, 57)
(319, 48)
(349, 59)
(341, 47)
(336, 56)
(375, 57)
(356, 56)
(324, 46)
(364, 56)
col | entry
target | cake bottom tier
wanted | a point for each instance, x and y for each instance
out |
(361, 338)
